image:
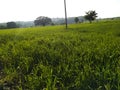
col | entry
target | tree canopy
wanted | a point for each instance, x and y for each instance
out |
(11, 25)
(42, 21)
(90, 15)
(76, 19)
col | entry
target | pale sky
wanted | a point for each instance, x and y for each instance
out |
(27, 10)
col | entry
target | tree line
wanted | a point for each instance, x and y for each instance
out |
(90, 16)
(43, 21)
(9, 25)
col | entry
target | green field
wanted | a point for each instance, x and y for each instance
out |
(84, 57)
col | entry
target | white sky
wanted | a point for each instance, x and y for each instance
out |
(27, 10)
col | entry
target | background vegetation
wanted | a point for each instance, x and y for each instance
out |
(84, 57)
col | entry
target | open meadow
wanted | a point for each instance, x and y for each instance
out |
(83, 57)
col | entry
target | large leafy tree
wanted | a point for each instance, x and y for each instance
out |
(90, 16)
(42, 21)
(12, 25)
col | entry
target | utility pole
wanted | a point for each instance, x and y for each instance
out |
(65, 14)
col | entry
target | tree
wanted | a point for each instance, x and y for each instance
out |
(76, 19)
(90, 15)
(11, 25)
(42, 21)
(2, 27)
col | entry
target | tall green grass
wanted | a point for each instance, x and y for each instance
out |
(84, 57)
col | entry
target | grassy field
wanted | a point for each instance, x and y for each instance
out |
(84, 57)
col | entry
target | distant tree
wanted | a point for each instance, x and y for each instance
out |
(76, 19)
(81, 20)
(42, 21)
(52, 24)
(3, 27)
(11, 25)
(90, 16)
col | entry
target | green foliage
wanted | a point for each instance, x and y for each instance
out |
(42, 21)
(3, 27)
(76, 19)
(11, 25)
(90, 15)
(85, 57)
